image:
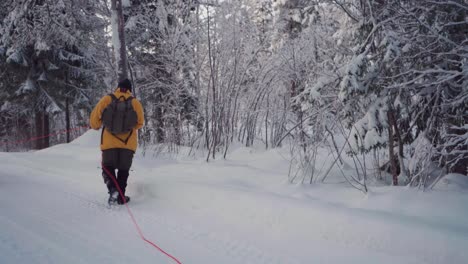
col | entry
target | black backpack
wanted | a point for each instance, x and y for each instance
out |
(119, 116)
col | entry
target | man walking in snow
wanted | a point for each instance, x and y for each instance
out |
(120, 115)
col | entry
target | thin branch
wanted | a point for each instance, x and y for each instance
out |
(341, 5)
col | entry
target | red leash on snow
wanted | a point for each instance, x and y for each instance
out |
(113, 179)
(122, 196)
(43, 136)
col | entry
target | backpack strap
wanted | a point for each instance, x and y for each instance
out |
(125, 141)
(113, 98)
(125, 114)
(127, 106)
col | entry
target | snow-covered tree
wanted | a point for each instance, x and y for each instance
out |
(406, 78)
(160, 42)
(388, 76)
(53, 52)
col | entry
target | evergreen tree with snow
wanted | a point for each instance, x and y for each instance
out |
(405, 79)
(159, 37)
(54, 53)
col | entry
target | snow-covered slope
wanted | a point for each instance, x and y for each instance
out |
(241, 210)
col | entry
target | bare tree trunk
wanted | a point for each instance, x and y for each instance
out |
(46, 129)
(159, 123)
(118, 38)
(266, 121)
(132, 78)
(214, 110)
(393, 122)
(67, 118)
(38, 116)
(391, 144)
(42, 128)
(177, 128)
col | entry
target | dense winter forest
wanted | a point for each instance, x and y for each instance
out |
(380, 81)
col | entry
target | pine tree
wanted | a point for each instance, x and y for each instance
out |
(161, 64)
(53, 50)
(406, 74)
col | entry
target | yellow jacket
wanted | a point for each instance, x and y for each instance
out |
(109, 141)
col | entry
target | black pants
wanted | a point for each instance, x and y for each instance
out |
(120, 160)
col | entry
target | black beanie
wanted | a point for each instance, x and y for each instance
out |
(125, 85)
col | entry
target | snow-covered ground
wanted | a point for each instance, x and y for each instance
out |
(240, 210)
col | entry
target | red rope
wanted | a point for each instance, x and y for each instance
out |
(122, 196)
(113, 179)
(43, 136)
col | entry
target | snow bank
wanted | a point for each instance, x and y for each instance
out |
(90, 138)
(84, 148)
(452, 182)
(238, 210)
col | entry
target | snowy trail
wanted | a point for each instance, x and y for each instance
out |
(52, 210)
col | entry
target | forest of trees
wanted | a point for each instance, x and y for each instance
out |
(361, 78)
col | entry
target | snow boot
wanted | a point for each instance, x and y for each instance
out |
(120, 201)
(113, 197)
